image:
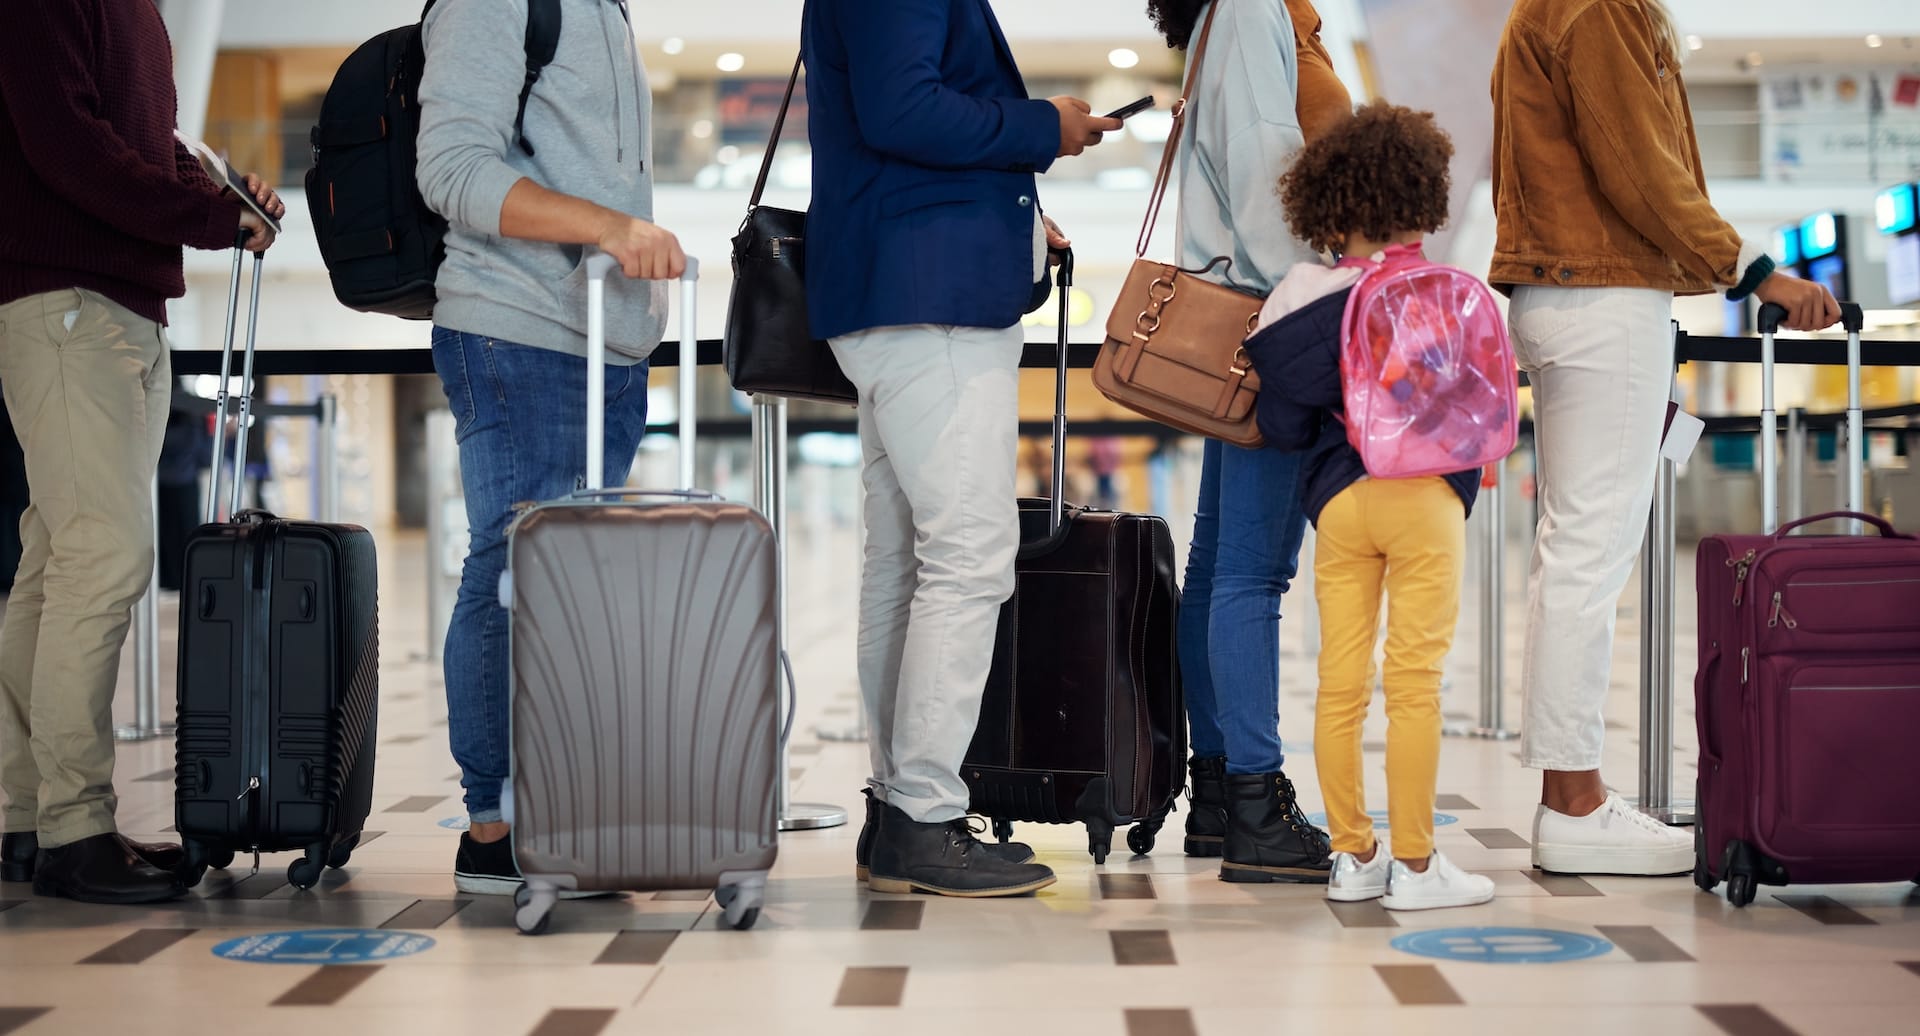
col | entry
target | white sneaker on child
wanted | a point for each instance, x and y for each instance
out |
(1355, 882)
(1614, 839)
(1441, 885)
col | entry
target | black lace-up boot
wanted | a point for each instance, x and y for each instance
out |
(946, 860)
(1268, 838)
(1206, 806)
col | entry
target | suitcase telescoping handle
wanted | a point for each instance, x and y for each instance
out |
(1771, 316)
(246, 383)
(1058, 502)
(599, 265)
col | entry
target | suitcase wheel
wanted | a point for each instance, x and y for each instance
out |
(1703, 878)
(533, 911)
(220, 859)
(1003, 831)
(343, 852)
(304, 873)
(739, 906)
(1099, 839)
(1140, 837)
(1740, 889)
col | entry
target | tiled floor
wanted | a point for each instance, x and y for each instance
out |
(1148, 946)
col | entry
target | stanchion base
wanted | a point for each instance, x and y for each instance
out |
(1478, 733)
(1678, 814)
(811, 816)
(842, 735)
(136, 734)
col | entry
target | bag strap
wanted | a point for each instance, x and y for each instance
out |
(542, 43)
(1198, 55)
(779, 125)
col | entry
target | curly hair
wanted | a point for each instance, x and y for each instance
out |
(1175, 19)
(1379, 173)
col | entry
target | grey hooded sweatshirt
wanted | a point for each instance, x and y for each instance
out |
(590, 123)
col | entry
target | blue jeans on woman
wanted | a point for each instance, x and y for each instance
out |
(1247, 532)
(520, 417)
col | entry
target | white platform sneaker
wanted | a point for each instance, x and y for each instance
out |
(1440, 886)
(1614, 839)
(1355, 882)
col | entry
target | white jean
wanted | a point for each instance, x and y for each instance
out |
(1601, 364)
(939, 435)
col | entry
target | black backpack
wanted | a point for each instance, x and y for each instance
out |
(381, 243)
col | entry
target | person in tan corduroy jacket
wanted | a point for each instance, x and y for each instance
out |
(1603, 217)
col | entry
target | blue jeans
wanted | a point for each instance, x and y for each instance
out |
(520, 418)
(1247, 531)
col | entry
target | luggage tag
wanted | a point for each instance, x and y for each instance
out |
(1682, 432)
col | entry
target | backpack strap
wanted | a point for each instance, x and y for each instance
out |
(542, 43)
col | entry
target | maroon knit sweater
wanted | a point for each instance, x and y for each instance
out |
(94, 190)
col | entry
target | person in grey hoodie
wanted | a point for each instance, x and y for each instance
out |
(525, 209)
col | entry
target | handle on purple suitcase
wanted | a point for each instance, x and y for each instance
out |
(598, 266)
(1771, 315)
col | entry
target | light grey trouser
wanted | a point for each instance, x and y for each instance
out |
(939, 434)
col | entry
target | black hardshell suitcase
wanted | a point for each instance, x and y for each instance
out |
(279, 676)
(1083, 719)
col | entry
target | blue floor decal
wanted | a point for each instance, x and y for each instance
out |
(1380, 819)
(324, 946)
(1503, 945)
(455, 823)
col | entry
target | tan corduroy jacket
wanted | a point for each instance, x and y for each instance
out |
(1596, 174)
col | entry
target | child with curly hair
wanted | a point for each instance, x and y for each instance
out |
(1377, 180)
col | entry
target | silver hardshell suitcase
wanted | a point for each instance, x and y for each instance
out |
(645, 670)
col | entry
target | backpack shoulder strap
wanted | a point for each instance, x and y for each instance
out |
(542, 43)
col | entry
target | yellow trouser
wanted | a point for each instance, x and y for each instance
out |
(87, 385)
(1407, 537)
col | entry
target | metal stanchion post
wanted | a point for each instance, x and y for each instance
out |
(1493, 641)
(859, 730)
(146, 651)
(770, 490)
(1656, 656)
(1796, 463)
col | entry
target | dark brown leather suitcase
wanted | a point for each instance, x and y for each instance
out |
(645, 667)
(1083, 720)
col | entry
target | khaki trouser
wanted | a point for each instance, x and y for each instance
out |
(88, 385)
(939, 434)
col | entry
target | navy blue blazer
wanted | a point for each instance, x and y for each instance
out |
(925, 147)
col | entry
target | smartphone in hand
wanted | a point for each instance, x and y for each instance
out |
(1129, 111)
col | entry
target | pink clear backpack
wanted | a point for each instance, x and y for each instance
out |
(1425, 367)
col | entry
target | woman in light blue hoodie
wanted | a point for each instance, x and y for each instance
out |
(1264, 75)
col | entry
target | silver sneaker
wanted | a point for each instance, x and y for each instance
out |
(1355, 882)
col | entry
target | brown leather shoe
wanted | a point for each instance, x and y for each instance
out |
(103, 869)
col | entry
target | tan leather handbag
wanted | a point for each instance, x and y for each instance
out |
(1173, 351)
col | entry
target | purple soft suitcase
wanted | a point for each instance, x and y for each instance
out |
(645, 668)
(1807, 696)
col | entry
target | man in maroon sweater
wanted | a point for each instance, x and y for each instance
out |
(98, 200)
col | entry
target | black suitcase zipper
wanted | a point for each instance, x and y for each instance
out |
(256, 693)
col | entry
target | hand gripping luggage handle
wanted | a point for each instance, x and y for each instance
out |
(598, 266)
(246, 383)
(1771, 315)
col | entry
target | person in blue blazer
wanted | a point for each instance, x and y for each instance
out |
(925, 246)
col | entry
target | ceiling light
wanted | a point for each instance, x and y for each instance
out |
(673, 44)
(1754, 60)
(730, 62)
(1123, 57)
(1695, 43)
(1874, 40)
(702, 129)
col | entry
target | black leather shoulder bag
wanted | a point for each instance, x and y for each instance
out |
(768, 348)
